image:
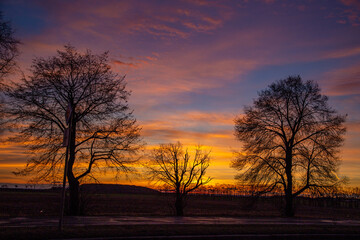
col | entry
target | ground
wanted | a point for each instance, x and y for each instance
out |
(130, 215)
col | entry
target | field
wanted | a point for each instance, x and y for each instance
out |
(21, 203)
(46, 203)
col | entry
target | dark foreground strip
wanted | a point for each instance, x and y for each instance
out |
(234, 236)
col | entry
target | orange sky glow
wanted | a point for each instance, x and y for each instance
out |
(192, 65)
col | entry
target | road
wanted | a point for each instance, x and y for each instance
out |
(121, 220)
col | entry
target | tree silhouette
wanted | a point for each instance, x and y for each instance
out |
(171, 165)
(291, 139)
(103, 132)
(8, 48)
(8, 53)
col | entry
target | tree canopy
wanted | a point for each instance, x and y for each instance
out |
(103, 132)
(8, 48)
(291, 139)
(171, 165)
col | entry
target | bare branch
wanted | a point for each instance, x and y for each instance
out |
(290, 137)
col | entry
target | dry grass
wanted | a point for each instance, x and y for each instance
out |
(46, 203)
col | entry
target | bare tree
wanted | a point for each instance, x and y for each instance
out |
(103, 133)
(173, 166)
(8, 48)
(8, 53)
(291, 140)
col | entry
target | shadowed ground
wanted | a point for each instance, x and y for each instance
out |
(34, 215)
(114, 221)
(189, 228)
(47, 203)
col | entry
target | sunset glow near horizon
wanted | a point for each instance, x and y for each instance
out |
(193, 65)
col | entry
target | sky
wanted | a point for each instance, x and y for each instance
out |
(192, 65)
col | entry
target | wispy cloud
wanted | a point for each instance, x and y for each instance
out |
(191, 64)
(121, 63)
(342, 81)
(173, 19)
(352, 13)
(344, 52)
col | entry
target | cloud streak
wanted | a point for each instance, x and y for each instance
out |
(192, 64)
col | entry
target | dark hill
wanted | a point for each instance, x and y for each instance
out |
(116, 188)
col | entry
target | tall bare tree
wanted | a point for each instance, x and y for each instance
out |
(8, 53)
(291, 140)
(173, 166)
(103, 133)
(8, 48)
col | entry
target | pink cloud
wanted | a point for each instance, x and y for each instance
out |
(353, 11)
(210, 117)
(118, 62)
(301, 7)
(164, 135)
(341, 53)
(269, 1)
(202, 2)
(342, 81)
(161, 20)
(341, 21)
(187, 73)
(180, 125)
(351, 3)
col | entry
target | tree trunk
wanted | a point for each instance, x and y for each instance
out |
(73, 182)
(289, 205)
(74, 203)
(179, 205)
